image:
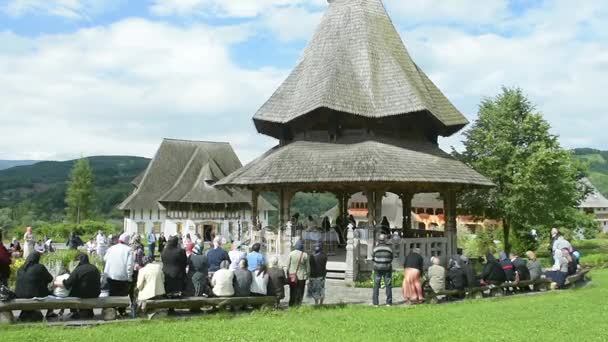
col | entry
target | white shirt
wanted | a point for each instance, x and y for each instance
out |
(119, 262)
(259, 283)
(236, 257)
(61, 291)
(222, 283)
(151, 238)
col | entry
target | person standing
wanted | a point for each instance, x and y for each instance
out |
(255, 259)
(162, 241)
(318, 272)
(198, 272)
(412, 286)
(277, 281)
(554, 235)
(216, 255)
(151, 243)
(28, 242)
(298, 269)
(236, 255)
(74, 241)
(174, 266)
(5, 262)
(383, 269)
(119, 268)
(102, 244)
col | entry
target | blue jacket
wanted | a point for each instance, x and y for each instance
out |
(215, 257)
(254, 260)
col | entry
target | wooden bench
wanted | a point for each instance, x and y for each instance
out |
(573, 280)
(492, 290)
(108, 304)
(194, 303)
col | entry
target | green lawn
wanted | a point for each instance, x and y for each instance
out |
(575, 315)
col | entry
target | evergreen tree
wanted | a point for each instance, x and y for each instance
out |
(538, 183)
(79, 195)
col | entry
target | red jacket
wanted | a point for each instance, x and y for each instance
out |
(5, 256)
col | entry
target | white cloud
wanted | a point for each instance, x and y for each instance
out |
(223, 8)
(120, 89)
(70, 9)
(462, 11)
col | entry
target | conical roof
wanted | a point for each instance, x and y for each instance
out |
(356, 63)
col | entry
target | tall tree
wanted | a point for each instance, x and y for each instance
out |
(537, 182)
(79, 195)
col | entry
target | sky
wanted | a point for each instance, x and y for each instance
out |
(114, 77)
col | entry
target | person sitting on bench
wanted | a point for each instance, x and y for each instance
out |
(198, 273)
(150, 280)
(436, 275)
(277, 282)
(223, 281)
(83, 282)
(242, 280)
(507, 266)
(32, 281)
(534, 267)
(259, 283)
(492, 271)
(521, 268)
(469, 272)
(456, 279)
(572, 264)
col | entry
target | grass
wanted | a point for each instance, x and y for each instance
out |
(578, 315)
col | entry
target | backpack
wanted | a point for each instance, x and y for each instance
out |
(6, 294)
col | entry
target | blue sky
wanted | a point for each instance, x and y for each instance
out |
(90, 77)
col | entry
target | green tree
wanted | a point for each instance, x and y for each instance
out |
(79, 195)
(537, 181)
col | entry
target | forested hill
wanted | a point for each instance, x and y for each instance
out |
(5, 164)
(37, 191)
(598, 166)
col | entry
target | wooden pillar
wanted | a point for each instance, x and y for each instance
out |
(406, 204)
(254, 208)
(340, 197)
(449, 203)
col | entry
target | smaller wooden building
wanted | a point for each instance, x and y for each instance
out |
(176, 194)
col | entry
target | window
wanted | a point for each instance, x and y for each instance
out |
(158, 214)
(141, 214)
(156, 228)
(141, 228)
(150, 214)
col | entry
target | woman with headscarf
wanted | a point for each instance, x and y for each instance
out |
(412, 286)
(456, 279)
(277, 280)
(298, 271)
(325, 224)
(28, 242)
(318, 272)
(507, 266)
(469, 272)
(150, 280)
(223, 281)
(198, 271)
(385, 226)
(137, 248)
(16, 250)
(83, 282)
(102, 244)
(32, 281)
(436, 275)
(559, 271)
(534, 266)
(174, 266)
(492, 271)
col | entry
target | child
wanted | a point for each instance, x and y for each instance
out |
(60, 291)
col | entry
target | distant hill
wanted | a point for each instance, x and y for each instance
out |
(38, 190)
(598, 167)
(7, 164)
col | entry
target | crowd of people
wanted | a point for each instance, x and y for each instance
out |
(460, 273)
(186, 269)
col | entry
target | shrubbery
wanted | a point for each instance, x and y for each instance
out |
(86, 229)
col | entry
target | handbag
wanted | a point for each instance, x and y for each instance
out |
(293, 277)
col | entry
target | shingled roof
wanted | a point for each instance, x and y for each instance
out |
(356, 63)
(595, 198)
(185, 171)
(380, 161)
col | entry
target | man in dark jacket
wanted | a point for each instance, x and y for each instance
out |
(456, 279)
(492, 271)
(216, 255)
(74, 241)
(383, 269)
(5, 263)
(242, 280)
(84, 282)
(521, 267)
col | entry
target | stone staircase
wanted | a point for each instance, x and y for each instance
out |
(336, 270)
